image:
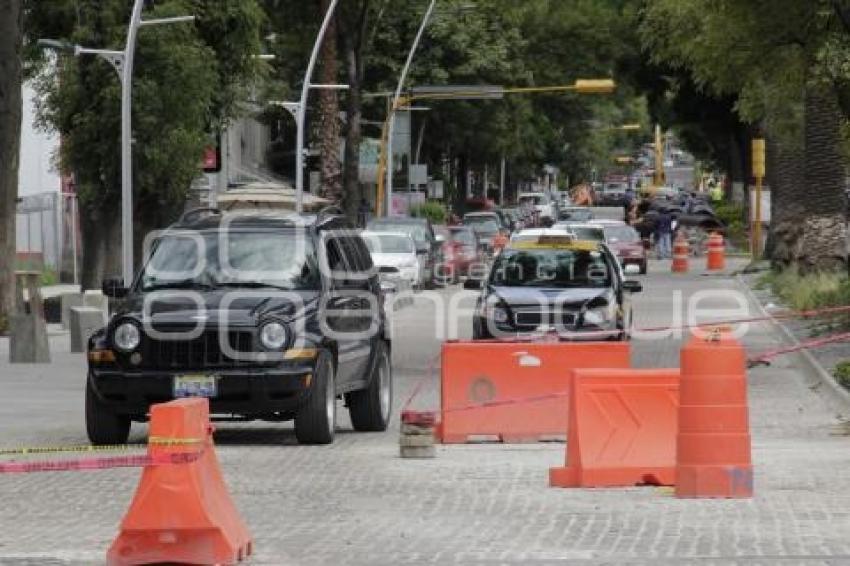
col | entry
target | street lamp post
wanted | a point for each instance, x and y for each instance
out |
(122, 62)
(397, 99)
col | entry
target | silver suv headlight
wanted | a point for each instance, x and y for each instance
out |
(598, 317)
(273, 335)
(126, 337)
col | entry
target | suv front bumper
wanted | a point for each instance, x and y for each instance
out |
(242, 391)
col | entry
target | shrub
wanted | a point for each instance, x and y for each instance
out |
(842, 373)
(432, 210)
(730, 213)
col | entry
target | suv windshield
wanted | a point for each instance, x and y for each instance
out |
(625, 234)
(389, 244)
(284, 260)
(551, 268)
(419, 232)
(531, 199)
(482, 225)
(464, 237)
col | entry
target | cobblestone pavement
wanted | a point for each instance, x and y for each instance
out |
(357, 503)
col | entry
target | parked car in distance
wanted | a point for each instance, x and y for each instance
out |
(394, 253)
(582, 230)
(613, 193)
(427, 247)
(575, 214)
(461, 252)
(540, 202)
(257, 331)
(485, 226)
(625, 242)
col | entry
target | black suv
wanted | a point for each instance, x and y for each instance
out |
(270, 317)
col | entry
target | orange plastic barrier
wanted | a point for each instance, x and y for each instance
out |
(521, 385)
(622, 429)
(716, 253)
(680, 254)
(181, 513)
(713, 444)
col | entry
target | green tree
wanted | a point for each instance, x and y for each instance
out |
(189, 81)
(735, 47)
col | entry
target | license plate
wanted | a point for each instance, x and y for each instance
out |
(195, 386)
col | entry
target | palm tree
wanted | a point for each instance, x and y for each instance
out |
(11, 108)
(821, 199)
(328, 123)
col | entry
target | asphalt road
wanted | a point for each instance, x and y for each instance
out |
(357, 502)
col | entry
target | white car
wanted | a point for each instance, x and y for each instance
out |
(542, 204)
(394, 253)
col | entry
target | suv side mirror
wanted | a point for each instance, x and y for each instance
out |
(114, 288)
(632, 286)
(473, 284)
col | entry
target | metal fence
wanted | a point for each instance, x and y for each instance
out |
(48, 234)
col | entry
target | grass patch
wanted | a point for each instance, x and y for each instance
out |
(811, 292)
(842, 373)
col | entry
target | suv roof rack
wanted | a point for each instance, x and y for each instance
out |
(192, 214)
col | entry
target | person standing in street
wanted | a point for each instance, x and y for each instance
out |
(364, 211)
(664, 235)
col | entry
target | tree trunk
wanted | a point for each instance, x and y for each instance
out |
(353, 25)
(11, 109)
(823, 242)
(786, 177)
(94, 239)
(329, 113)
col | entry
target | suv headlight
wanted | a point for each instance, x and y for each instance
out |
(597, 317)
(493, 310)
(273, 336)
(126, 337)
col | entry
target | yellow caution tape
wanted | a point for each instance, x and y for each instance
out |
(152, 441)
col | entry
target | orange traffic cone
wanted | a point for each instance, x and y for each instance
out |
(680, 254)
(713, 453)
(182, 512)
(716, 253)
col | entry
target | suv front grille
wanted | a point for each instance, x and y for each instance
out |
(204, 351)
(531, 319)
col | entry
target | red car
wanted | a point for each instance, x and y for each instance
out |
(460, 252)
(625, 242)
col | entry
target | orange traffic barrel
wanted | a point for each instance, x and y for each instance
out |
(713, 451)
(680, 254)
(716, 253)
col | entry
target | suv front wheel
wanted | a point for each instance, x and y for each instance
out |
(102, 425)
(370, 408)
(315, 423)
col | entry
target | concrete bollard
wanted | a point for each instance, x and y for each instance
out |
(417, 434)
(68, 301)
(27, 326)
(97, 300)
(85, 321)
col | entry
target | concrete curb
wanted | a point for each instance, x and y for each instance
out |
(840, 397)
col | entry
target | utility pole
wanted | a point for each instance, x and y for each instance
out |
(758, 173)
